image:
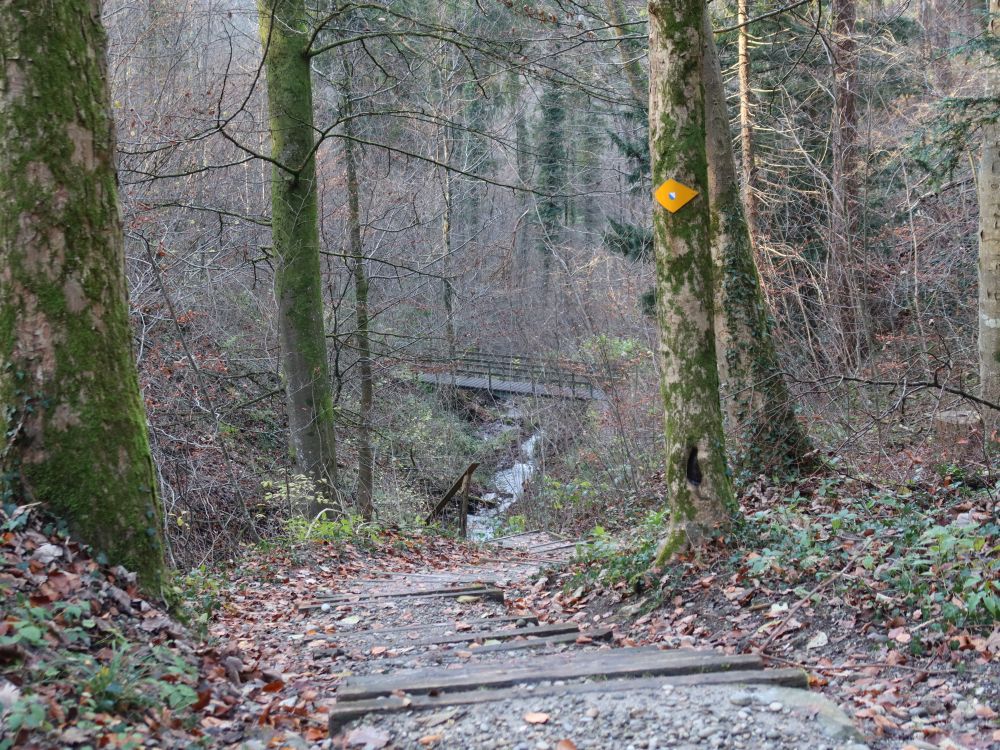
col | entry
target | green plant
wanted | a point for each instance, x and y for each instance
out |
(198, 594)
(326, 529)
(295, 493)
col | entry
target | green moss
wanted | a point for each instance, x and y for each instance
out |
(685, 280)
(295, 230)
(71, 383)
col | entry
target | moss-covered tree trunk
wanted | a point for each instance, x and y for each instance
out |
(629, 49)
(746, 118)
(989, 247)
(755, 396)
(73, 415)
(284, 32)
(366, 459)
(696, 478)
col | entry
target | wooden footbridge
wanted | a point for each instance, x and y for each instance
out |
(512, 375)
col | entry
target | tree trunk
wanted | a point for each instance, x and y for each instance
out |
(989, 251)
(447, 229)
(696, 479)
(844, 261)
(295, 230)
(366, 459)
(754, 393)
(74, 420)
(521, 230)
(746, 119)
(629, 49)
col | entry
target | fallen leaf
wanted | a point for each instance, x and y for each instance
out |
(818, 641)
(273, 687)
(900, 635)
(378, 650)
(430, 739)
(461, 627)
(536, 717)
(565, 745)
(368, 737)
(985, 712)
(466, 599)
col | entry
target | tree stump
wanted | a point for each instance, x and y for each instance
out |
(959, 433)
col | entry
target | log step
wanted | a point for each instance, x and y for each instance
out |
(500, 635)
(483, 593)
(608, 664)
(341, 713)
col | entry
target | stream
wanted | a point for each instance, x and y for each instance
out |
(508, 485)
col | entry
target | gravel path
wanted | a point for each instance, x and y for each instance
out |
(672, 717)
(377, 636)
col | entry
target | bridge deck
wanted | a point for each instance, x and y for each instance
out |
(581, 390)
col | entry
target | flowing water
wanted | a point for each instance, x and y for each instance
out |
(509, 485)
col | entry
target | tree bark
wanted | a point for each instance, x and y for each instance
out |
(75, 423)
(366, 458)
(696, 479)
(746, 118)
(629, 50)
(295, 230)
(755, 396)
(989, 250)
(844, 260)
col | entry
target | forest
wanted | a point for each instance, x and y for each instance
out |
(538, 344)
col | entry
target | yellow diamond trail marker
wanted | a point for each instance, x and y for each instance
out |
(673, 196)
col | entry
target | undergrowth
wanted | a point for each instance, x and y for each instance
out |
(923, 553)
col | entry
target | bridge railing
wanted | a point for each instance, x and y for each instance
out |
(575, 376)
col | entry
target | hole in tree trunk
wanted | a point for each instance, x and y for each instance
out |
(693, 469)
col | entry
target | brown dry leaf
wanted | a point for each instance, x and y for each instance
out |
(378, 650)
(985, 712)
(368, 737)
(536, 717)
(464, 654)
(565, 745)
(900, 635)
(584, 639)
(273, 687)
(430, 739)
(461, 627)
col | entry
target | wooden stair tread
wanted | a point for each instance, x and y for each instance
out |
(342, 712)
(613, 663)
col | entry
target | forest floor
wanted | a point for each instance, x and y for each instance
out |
(87, 662)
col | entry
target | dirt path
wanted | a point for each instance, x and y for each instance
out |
(399, 653)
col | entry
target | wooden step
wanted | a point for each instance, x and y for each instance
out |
(343, 712)
(483, 593)
(402, 630)
(499, 635)
(608, 664)
(597, 634)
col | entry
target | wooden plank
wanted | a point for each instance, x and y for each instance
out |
(488, 594)
(596, 635)
(459, 483)
(615, 663)
(438, 626)
(341, 713)
(446, 590)
(499, 635)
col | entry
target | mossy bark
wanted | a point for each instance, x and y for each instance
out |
(75, 423)
(989, 249)
(696, 476)
(755, 397)
(284, 33)
(746, 118)
(629, 49)
(366, 458)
